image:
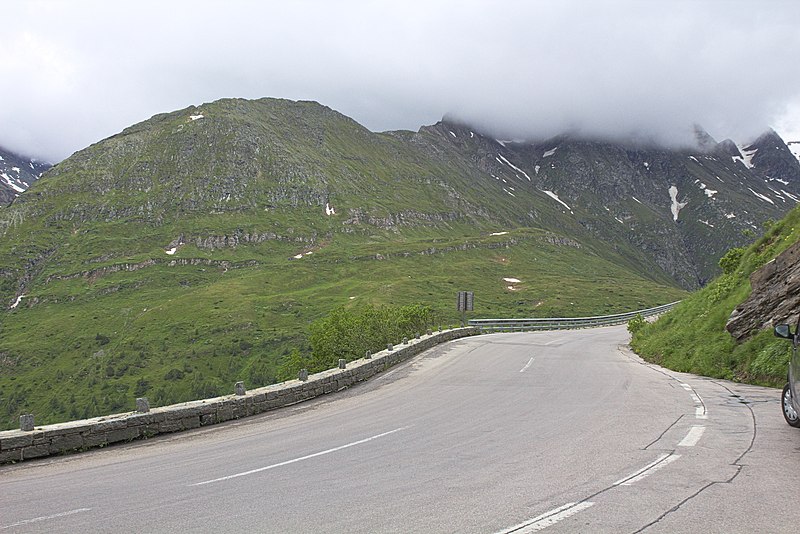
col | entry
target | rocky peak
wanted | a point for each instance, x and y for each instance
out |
(705, 142)
(17, 173)
(774, 159)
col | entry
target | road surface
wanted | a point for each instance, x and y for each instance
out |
(563, 431)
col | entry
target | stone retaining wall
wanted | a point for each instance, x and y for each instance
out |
(18, 445)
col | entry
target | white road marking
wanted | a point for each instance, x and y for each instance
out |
(526, 366)
(694, 435)
(45, 518)
(548, 518)
(700, 407)
(295, 460)
(661, 462)
(553, 341)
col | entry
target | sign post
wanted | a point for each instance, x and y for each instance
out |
(465, 303)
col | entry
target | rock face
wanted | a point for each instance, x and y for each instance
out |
(17, 173)
(775, 296)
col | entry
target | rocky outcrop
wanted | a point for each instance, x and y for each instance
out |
(774, 299)
(17, 174)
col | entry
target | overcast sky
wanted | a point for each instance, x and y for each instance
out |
(77, 71)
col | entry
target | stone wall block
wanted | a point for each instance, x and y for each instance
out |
(35, 451)
(10, 456)
(94, 439)
(108, 426)
(170, 425)
(123, 434)
(66, 442)
(207, 419)
(23, 440)
(191, 422)
(225, 413)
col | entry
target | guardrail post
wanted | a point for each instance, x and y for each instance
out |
(142, 405)
(342, 363)
(26, 422)
(238, 388)
(368, 356)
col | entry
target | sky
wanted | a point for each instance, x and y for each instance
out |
(77, 71)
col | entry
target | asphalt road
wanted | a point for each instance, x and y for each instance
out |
(554, 431)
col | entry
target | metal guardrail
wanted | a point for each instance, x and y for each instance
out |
(563, 323)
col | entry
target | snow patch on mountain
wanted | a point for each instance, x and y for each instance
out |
(514, 167)
(794, 148)
(676, 206)
(747, 156)
(555, 197)
(760, 196)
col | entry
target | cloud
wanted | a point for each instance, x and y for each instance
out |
(76, 72)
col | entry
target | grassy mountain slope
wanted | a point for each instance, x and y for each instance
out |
(192, 250)
(692, 337)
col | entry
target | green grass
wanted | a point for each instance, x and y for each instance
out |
(92, 345)
(692, 337)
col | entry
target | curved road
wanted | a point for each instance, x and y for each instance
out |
(554, 431)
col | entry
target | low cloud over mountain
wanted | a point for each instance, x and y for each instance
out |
(84, 70)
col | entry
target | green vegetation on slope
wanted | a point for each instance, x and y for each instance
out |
(92, 343)
(692, 337)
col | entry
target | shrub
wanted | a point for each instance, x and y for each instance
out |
(348, 333)
(731, 260)
(173, 374)
(636, 324)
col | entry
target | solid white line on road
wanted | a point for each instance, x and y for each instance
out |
(699, 408)
(694, 435)
(548, 518)
(45, 518)
(294, 460)
(661, 462)
(526, 366)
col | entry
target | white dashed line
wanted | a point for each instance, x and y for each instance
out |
(694, 435)
(45, 518)
(287, 462)
(548, 518)
(661, 462)
(526, 366)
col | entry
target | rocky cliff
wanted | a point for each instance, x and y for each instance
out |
(17, 173)
(774, 299)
